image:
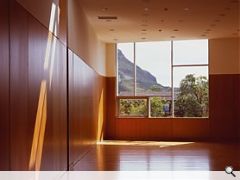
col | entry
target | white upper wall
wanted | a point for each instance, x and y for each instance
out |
(224, 56)
(82, 39)
(111, 59)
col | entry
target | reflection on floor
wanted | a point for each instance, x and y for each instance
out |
(159, 156)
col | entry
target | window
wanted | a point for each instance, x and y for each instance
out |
(190, 78)
(163, 79)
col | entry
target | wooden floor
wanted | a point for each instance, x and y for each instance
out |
(159, 156)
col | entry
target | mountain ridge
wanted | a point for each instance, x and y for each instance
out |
(144, 79)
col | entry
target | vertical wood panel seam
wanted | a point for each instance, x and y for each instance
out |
(9, 87)
(67, 98)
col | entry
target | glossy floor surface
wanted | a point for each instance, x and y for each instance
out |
(159, 156)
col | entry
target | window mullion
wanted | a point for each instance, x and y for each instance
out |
(134, 60)
(149, 107)
(190, 65)
(172, 93)
(116, 61)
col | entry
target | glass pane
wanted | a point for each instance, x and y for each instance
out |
(153, 63)
(161, 107)
(125, 54)
(133, 107)
(190, 91)
(190, 52)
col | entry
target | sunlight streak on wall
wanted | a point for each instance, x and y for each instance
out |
(53, 28)
(52, 17)
(52, 62)
(39, 130)
(100, 117)
(48, 51)
(41, 116)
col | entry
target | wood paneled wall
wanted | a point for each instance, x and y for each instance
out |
(222, 124)
(35, 109)
(223, 106)
(38, 95)
(86, 107)
(110, 128)
(4, 85)
(238, 107)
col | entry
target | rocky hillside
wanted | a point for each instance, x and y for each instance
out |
(145, 80)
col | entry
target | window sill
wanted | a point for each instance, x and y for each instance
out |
(163, 118)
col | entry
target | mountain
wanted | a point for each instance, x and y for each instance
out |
(145, 80)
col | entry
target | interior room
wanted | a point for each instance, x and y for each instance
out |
(140, 85)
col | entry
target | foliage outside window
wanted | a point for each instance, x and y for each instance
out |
(160, 107)
(192, 100)
(133, 107)
(170, 77)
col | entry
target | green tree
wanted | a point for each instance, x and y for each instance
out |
(192, 100)
(133, 107)
(156, 107)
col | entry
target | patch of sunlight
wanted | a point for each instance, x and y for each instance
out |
(161, 144)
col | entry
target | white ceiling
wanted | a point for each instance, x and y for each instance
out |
(151, 20)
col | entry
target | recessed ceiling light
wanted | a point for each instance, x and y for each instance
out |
(165, 9)
(160, 30)
(143, 38)
(203, 35)
(186, 9)
(175, 30)
(146, 9)
(144, 30)
(111, 29)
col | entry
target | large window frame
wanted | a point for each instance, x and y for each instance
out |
(147, 97)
